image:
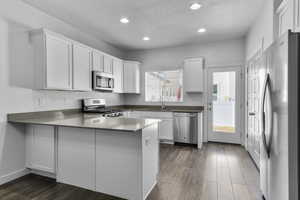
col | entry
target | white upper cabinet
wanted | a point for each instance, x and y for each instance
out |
(53, 61)
(284, 18)
(297, 15)
(131, 77)
(81, 67)
(108, 64)
(287, 17)
(98, 61)
(64, 64)
(58, 63)
(193, 75)
(118, 75)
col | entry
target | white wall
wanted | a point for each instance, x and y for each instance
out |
(222, 53)
(16, 69)
(260, 35)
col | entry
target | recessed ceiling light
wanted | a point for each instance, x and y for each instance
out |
(195, 6)
(201, 30)
(146, 38)
(124, 20)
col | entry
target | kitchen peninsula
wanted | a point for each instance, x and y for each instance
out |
(116, 156)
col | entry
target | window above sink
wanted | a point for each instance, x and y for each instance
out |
(166, 86)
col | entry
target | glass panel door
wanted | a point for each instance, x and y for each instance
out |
(224, 105)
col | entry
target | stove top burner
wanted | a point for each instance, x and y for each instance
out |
(98, 106)
(113, 114)
(105, 112)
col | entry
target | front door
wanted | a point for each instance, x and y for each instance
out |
(224, 104)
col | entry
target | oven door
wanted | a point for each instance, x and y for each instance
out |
(102, 81)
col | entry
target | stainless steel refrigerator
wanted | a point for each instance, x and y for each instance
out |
(279, 149)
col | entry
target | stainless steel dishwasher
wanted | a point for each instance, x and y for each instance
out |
(185, 127)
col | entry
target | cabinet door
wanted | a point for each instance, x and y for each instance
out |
(58, 63)
(128, 78)
(40, 148)
(284, 17)
(118, 164)
(150, 149)
(98, 61)
(131, 77)
(137, 79)
(193, 75)
(118, 76)
(76, 157)
(297, 15)
(108, 65)
(166, 129)
(81, 68)
(200, 130)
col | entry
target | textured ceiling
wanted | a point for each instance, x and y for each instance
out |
(166, 22)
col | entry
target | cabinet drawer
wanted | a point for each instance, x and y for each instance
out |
(158, 115)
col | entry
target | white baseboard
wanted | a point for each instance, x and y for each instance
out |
(166, 141)
(145, 197)
(42, 173)
(13, 175)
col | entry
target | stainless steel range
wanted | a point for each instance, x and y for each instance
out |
(99, 106)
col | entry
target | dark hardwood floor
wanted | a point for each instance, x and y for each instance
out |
(217, 172)
(33, 187)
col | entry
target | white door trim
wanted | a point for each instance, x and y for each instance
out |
(241, 99)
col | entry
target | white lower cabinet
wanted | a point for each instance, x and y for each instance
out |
(40, 148)
(76, 157)
(150, 154)
(166, 130)
(165, 126)
(119, 173)
(127, 163)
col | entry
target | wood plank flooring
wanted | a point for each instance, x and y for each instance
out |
(33, 187)
(217, 172)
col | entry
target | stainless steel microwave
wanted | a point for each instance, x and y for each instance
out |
(103, 81)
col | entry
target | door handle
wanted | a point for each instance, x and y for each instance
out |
(267, 144)
(209, 105)
(251, 113)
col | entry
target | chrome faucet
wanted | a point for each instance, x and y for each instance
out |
(163, 106)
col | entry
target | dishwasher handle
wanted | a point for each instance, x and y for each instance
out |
(180, 114)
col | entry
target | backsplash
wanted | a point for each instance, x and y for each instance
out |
(49, 100)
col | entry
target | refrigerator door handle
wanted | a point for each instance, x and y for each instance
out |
(267, 144)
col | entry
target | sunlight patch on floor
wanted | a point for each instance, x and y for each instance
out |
(225, 129)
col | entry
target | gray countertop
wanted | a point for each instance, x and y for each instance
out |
(74, 118)
(156, 108)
